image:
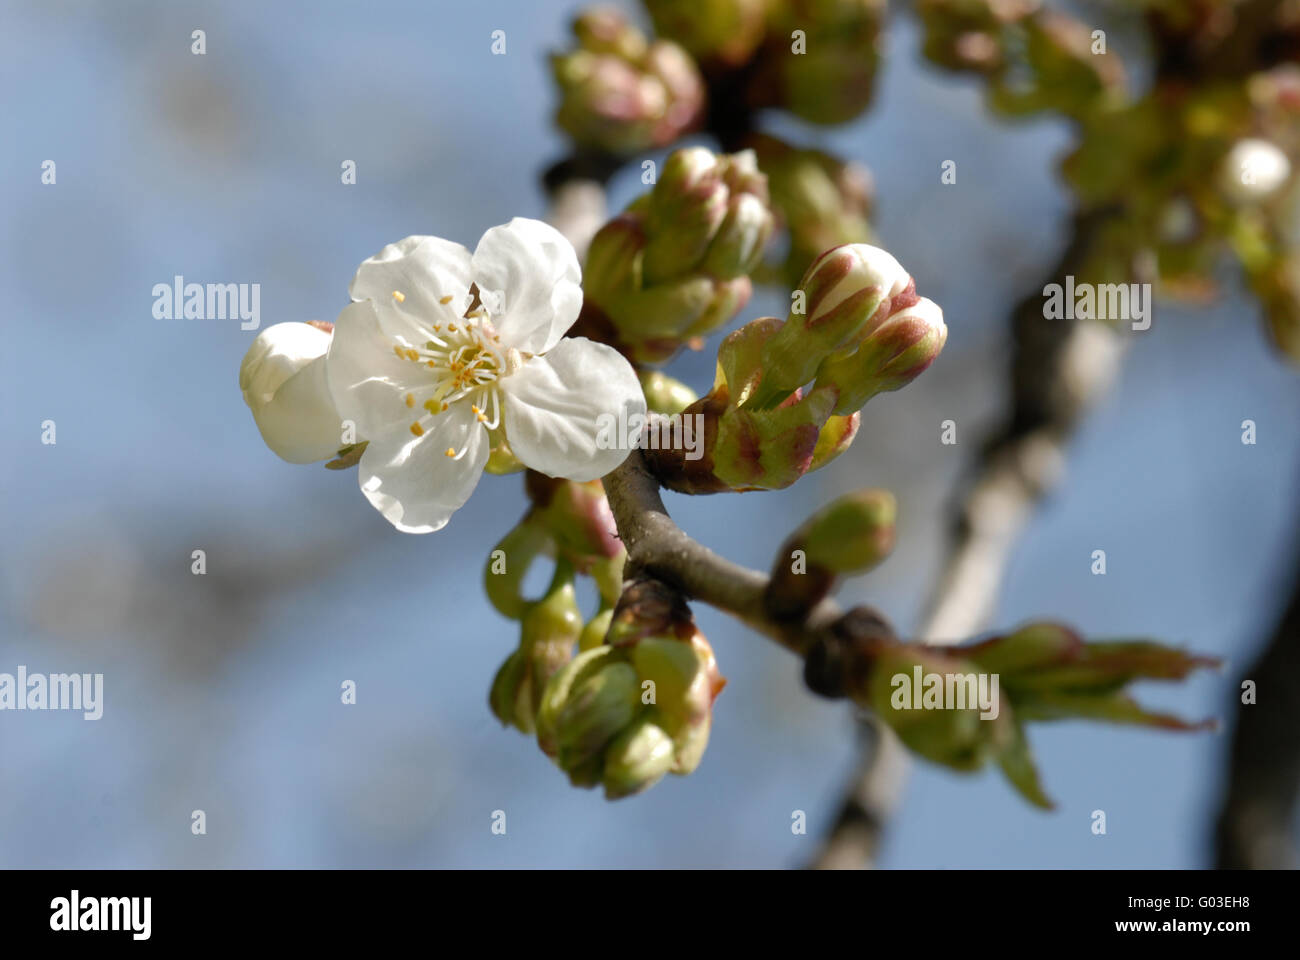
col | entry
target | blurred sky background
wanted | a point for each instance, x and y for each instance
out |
(222, 691)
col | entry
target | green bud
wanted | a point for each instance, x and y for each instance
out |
(556, 693)
(687, 207)
(549, 630)
(822, 201)
(664, 394)
(849, 535)
(613, 265)
(508, 685)
(686, 682)
(675, 265)
(726, 32)
(832, 79)
(956, 738)
(637, 759)
(596, 711)
(739, 244)
(853, 533)
(593, 634)
(888, 355)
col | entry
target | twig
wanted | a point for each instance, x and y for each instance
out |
(657, 547)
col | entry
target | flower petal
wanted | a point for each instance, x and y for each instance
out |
(529, 279)
(424, 271)
(368, 381)
(561, 410)
(300, 423)
(412, 481)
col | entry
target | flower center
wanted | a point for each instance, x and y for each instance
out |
(464, 360)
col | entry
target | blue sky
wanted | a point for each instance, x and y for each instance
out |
(222, 691)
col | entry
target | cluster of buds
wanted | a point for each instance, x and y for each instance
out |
(819, 59)
(821, 201)
(676, 263)
(856, 329)
(965, 706)
(1034, 58)
(717, 33)
(620, 93)
(639, 705)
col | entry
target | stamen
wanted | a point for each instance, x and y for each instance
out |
(451, 452)
(417, 429)
(399, 296)
(444, 300)
(410, 399)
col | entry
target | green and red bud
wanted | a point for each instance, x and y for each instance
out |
(842, 291)
(745, 446)
(675, 264)
(886, 355)
(621, 94)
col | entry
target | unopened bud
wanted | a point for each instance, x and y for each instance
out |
(637, 758)
(619, 93)
(849, 535)
(844, 289)
(725, 32)
(283, 381)
(889, 355)
(664, 394)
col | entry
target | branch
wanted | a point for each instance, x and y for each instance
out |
(658, 548)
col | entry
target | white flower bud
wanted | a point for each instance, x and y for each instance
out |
(1253, 170)
(282, 377)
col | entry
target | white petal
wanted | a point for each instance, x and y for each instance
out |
(368, 381)
(277, 353)
(300, 423)
(561, 409)
(412, 481)
(423, 270)
(528, 277)
(283, 381)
